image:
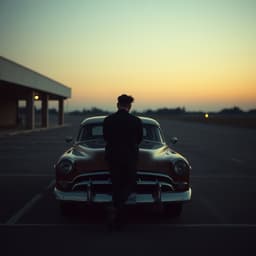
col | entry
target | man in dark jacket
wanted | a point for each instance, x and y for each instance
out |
(123, 134)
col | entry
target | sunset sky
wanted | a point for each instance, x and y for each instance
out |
(197, 54)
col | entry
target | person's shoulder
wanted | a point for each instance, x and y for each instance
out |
(135, 118)
(109, 117)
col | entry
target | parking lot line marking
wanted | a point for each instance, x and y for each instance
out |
(24, 175)
(210, 177)
(50, 185)
(15, 218)
(236, 160)
(192, 225)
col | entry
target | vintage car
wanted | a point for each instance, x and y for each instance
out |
(82, 174)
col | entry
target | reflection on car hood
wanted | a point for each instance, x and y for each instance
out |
(90, 156)
(145, 144)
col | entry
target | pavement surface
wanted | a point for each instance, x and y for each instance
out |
(219, 220)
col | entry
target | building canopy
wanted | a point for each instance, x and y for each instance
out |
(21, 83)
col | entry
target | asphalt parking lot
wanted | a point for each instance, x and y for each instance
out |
(219, 220)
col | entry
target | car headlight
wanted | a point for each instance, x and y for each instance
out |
(181, 168)
(65, 166)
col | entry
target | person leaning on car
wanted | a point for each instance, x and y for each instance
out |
(123, 134)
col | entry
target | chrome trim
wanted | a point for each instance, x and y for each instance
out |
(89, 191)
(108, 182)
(159, 180)
(89, 174)
(98, 173)
(80, 196)
(86, 183)
(159, 192)
(154, 174)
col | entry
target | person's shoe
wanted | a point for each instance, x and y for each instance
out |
(111, 218)
(118, 222)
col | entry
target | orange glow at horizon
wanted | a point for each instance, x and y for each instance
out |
(165, 89)
(193, 54)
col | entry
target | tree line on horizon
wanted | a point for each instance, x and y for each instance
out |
(166, 111)
(160, 111)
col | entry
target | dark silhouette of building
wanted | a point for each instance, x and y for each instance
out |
(19, 83)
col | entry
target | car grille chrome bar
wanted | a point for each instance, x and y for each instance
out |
(152, 187)
(101, 182)
(81, 196)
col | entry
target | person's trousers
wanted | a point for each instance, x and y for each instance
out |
(123, 177)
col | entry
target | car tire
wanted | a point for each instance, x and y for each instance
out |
(173, 210)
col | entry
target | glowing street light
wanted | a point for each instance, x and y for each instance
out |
(206, 115)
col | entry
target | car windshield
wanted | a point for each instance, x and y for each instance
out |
(95, 132)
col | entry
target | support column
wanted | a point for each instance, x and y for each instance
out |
(30, 111)
(61, 111)
(45, 117)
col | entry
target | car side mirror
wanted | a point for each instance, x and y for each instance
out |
(174, 140)
(69, 139)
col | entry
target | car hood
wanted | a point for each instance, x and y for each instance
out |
(152, 157)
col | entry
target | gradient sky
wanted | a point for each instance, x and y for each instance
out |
(199, 54)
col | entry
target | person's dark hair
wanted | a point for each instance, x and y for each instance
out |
(125, 100)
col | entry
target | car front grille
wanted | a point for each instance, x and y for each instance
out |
(100, 182)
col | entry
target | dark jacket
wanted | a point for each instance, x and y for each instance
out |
(123, 134)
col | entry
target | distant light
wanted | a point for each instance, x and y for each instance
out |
(36, 97)
(206, 115)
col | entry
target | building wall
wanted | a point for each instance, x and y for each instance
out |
(8, 113)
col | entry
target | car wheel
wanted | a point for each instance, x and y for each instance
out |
(173, 210)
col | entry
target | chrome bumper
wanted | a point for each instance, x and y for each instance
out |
(164, 197)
